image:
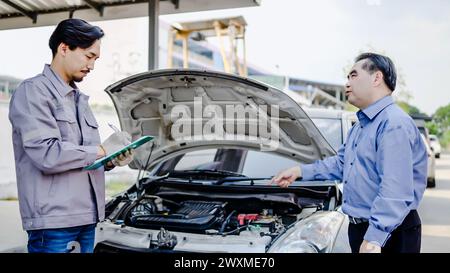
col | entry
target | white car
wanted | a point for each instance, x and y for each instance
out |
(435, 145)
(213, 194)
(333, 124)
(431, 180)
(431, 177)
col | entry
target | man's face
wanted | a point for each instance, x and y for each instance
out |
(80, 61)
(359, 86)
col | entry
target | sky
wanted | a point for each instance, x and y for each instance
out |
(314, 40)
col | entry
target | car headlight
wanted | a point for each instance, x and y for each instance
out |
(316, 233)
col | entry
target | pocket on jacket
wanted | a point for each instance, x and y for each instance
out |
(43, 190)
(65, 122)
(90, 119)
(91, 135)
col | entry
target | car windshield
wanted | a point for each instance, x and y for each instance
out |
(422, 130)
(240, 161)
(331, 129)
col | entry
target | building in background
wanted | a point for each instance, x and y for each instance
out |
(204, 55)
(7, 86)
(306, 92)
(124, 59)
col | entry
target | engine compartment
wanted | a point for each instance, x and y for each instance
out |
(213, 211)
(170, 216)
(189, 215)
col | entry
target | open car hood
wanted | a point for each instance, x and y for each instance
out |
(152, 103)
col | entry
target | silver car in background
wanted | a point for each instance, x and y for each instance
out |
(431, 177)
(435, 145)
(333, 124)
(431, 181)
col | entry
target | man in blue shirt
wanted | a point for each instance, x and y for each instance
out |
(383, 164)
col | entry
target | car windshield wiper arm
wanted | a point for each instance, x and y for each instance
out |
(243, 179)
(205, 172)
(240, 179)
(143, 185)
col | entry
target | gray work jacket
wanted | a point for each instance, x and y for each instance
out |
(55, 135)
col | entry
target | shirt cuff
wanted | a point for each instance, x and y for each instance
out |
(375, 235)
(307, 171)
(91, 154)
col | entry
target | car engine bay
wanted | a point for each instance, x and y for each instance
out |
(182, 216)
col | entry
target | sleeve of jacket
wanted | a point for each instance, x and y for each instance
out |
(31, 115)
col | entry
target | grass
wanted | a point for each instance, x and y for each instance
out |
(111, 188)
(114, 187)
(445, 140)
(9, 199)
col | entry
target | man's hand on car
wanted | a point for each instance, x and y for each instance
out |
(286, 177)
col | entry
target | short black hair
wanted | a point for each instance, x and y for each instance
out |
(377, 62)
(74, 33)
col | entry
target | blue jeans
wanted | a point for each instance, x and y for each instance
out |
(62, 240)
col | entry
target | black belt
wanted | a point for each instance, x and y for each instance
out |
(354, 220)
(412, 219)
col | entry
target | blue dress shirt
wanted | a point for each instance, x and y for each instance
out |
(383, 165)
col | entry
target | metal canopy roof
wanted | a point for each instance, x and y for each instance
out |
(33, 13)
(206, 27)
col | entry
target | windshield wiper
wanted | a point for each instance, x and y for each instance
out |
(243, 179)
(240, 179)
(208, 173)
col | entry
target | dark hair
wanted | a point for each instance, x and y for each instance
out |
(75, 33)
(377, 62)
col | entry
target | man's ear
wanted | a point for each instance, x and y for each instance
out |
(377, 78)
(63, 48)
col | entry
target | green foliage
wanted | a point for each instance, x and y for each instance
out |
(408, 108)
(351, 108)
(442, 118)
(10, 198)
(445, 140)
(441, 125)
(114, 187)
(433, 128)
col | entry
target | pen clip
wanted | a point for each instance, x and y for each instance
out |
(113, 127)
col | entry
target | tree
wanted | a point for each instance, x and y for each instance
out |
(408, 108)
(433, 129)
(440, 125)
(442, 118)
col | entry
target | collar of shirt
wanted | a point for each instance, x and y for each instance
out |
(366, 115)
(62, 87)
